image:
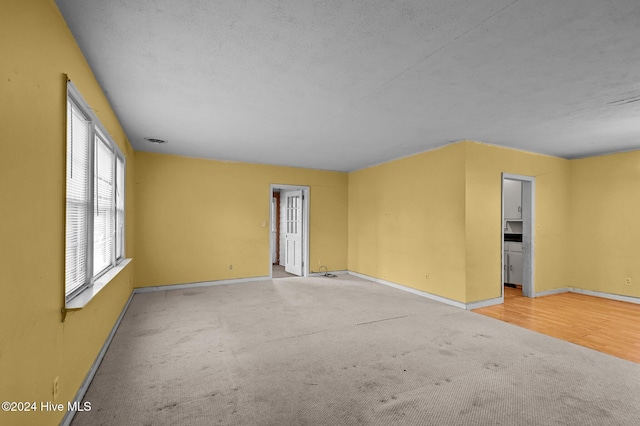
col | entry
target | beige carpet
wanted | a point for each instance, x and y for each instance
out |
(344, 351)
(278, 271)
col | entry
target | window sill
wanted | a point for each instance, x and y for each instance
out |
(81, 300)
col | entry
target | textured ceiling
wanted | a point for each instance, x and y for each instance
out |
(341, 85)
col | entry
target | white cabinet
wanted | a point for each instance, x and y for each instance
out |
(512, 199)
(513, 263)
(515, 268)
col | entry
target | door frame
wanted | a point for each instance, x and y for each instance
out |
(528, 233)
(305, 224)
(275, 214)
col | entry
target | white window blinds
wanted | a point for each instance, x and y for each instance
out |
(103, 207)
(95, 203)
(119, 208)
(77, 222)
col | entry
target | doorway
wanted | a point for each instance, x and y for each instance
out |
(518, 218)
(289, 226)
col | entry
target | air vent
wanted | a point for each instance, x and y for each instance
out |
(155, 140)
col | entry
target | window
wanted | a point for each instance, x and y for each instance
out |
(95, 198)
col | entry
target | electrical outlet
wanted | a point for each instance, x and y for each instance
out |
(55, 387)
(627, 281)
(426, 277)
(230, 267)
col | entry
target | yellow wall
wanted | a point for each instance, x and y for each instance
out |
(484, 167)
(196, 217)
(406, 222)
(604, 240)
(430, 221)
(36, 50)
(439, 214)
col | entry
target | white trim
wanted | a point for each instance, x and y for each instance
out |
(305, 205)
(84, 297)
(322, 274)
(485, 303)
(502, 225)
(618, 297)
(68, 417)
(610, 296)
(528, 232)
(553, 291)
(198, 284)
(96, 132)
(412, 290)
(455, 303)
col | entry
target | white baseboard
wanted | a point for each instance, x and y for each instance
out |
(198, 284)
(618, 297)
(497, 300)
(411, 290)
(68, 417)
(484, 303)
(552, 291)
(322, 274)
(611, 296)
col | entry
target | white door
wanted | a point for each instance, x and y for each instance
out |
(274, 230)
(293, 232)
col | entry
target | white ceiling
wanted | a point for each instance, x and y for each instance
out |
(341, 85)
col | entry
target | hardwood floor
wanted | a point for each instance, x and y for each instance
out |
(605, 325)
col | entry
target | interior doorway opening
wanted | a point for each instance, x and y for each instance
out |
(289, 231)
(518, 219)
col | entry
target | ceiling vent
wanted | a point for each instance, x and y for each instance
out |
(155, 140)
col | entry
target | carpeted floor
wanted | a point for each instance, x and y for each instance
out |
(344, 351)
(277, 271)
